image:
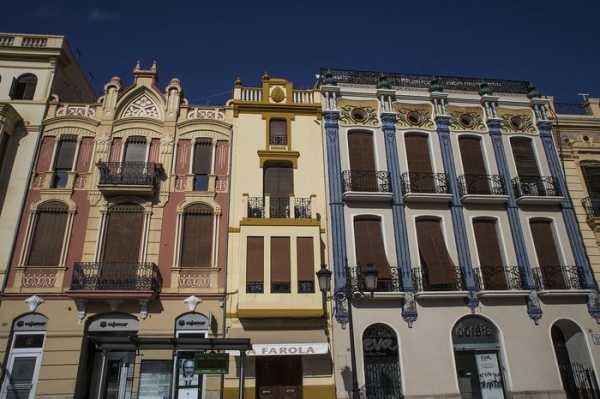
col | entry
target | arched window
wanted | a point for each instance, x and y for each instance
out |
(197, 237)
(23, 87)
(48, 234)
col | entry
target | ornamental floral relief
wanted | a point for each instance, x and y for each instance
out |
(413, 116)
(466, 119)
(517, 123)
(194, 279)
(39, 279)
(358, 113)
(143, 106)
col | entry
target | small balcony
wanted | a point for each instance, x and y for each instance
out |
(536, 190)
(482, 189)
(390, 284)
(115, 280)
(138, 178)
(431, 187)
(269, 207)
(558, 278)
(500, 278)
(449, 280)
(366, 185)
(592, 207)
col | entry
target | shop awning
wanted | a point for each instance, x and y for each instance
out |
(134, 342)
(283, 342)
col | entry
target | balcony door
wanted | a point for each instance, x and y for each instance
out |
(475, 174)
(122, 244)
(279, 184)
(490, 256)
(527, 167)
(419, 164)
(370, 249)
(438, 270)
(362, 162)
(547, 255)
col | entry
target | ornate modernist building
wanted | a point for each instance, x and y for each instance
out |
(452, 189)
(118, 271)
(32, 68)
(276, 243)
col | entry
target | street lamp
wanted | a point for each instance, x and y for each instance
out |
(350, 293)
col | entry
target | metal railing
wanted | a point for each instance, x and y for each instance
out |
(535, 186)
(306, 287)
(417, 182)
(116, 276)
(384, 284)
(558, 278)
(302, 208)
(591, 206)
(481, 185)
(342, 76)
(255, 287)
(279, 208)
(450, 280)
(499, 278)
(366, 181)
(128, 173)
(256, 207)
(278, 139)
(280, 288)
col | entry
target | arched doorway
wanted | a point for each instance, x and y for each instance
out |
(576, 370)
(382, 366)
(477, 358)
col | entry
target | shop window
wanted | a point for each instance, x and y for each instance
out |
(280, 265)
(197, 236)
(23, 87)
(47, 240)
(278, 134)
(255, 260)
(65, 158)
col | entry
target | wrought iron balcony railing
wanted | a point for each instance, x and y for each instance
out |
(591, 206)
(279, 208)
(499, 278)
(279, 139)
(481, 185)
(384, 284)
(255, 287)
(306, 287)
(535, 186)
(128, 173)
(558, 278)
(447, 280)
(417, 182)
(117, 276)
(366, 181)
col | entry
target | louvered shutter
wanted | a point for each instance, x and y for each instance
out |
(490, 257)
(196, 246)
(280, 263)
(49, 234)
(123, 233)
(436, 261)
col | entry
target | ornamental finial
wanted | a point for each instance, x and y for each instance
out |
(329, 80)
(383, 82)
(532, 92)
(435, 85)
(484, 89)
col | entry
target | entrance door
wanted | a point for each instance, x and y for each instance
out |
(113, 375)
(21, 376)
(479, 375)
(279, 377)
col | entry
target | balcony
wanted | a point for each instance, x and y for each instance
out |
(561, 278)
(366, 185)
(482, 189)
(384, 284)
(536, 190)
(437, 282)
(430, 187)
(501, 279)
(279, 208)
(121, 178)
(115, 280)
(592, 207)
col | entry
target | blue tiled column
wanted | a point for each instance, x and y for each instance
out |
(456, 210)
(398, 212)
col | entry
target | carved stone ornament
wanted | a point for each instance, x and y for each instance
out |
(277, 95)
(33, 302)
(192, 302)
(144, 106)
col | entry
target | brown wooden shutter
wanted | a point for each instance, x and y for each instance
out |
(66, 152)
(305, 258)
(547, 256)
(49, 234)
(591, 175)
(490, 257)
(279, 181)
(360, 146)
(369, 246)
(196, 243)
(524, 156)
(280, 260)
(255, 260)
(434, 253)
(417, 153)
(123, 233)
(473, 165)
(202, 157)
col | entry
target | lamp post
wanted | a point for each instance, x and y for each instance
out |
(350, 293)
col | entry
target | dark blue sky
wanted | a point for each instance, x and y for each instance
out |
(207, 44)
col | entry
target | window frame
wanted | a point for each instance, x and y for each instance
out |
(21, 89)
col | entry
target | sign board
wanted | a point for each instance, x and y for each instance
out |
(212, 363)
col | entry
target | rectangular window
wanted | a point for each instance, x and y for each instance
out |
(419, 164)
(370, 249)
(280, 265)
(306, 264)
(362, 162)
(64, 160)
(279, 184)
(255, 265)
(196, 247)
(48, 234)
(278, 132)
(547, 255)
(490, 257)
(438, 270)
(202, 164)
(473, 165)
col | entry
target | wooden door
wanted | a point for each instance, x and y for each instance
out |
(279, 377)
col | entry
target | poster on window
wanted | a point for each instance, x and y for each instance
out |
(155, 379)
(490, 378)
